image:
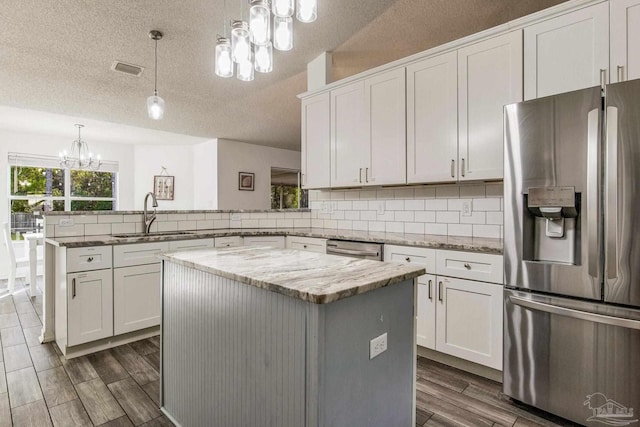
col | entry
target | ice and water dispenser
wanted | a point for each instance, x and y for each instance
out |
(552, 225)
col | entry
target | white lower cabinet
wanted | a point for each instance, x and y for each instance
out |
(89, 306)
(462, 318)
(469, 320)
(136, 297)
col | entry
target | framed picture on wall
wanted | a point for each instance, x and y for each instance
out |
(163, 187)
(245, 181)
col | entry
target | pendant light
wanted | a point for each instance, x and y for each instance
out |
(283, 8)
(264, 58)
(283, 33)
(224, 57)
(259, 22)
(307, 10)
(240, 43)
(80, 157)
(155, 104)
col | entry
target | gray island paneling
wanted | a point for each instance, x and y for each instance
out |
(259, 336)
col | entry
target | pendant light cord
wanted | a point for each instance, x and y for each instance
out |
(155, 84)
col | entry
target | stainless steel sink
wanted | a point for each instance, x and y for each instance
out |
(153, 234)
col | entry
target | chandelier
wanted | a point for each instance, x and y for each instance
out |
(251, 45)
(80, 157)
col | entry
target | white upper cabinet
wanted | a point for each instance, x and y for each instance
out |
(432, 119)
(625, 40)
(386, 128)
(316, 140)
(348, 135)
(566, 53)
(489, 77)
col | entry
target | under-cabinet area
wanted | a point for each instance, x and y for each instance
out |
(458, 302)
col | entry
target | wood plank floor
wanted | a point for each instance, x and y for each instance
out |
(119, 387)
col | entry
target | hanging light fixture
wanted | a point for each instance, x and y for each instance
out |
(240, 43)
(155, 104)
(264, 58)
(224, 57)
(79, 157)
(307, 10)
(283, 32)
(283, 8)
(259, 22)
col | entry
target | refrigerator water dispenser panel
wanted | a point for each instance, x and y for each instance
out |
(553, 225)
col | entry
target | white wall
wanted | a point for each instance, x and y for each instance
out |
(178, 159)
(205, 179)
(235, 157)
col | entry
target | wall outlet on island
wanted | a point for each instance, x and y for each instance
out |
(466, 208)
(65, 222)
(377, 345)
(236, 217)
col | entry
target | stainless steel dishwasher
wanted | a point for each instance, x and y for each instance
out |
(355, 249)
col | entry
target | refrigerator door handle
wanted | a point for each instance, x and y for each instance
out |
(575, 314)
(593, 213)
(611, 219)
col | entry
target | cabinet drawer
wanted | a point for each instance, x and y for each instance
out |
(138, 253)
(420, 256)
(273, 241)
(87, 259)
(229, 241)
(185, 245)
(309, 244)
(470, 265)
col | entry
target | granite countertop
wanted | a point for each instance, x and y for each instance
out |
(308, 276)
(457, 243)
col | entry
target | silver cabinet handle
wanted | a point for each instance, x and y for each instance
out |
(408, 259)
(73, 288)
(453, 168)
(440, 297)
(603, 77)
(360, 176)
(620, 73)
(304, 246)
(576, 314)
(462, 166)
(593, 206)
(467, 266)
(430, 294)
(366, 175)
(611, 188)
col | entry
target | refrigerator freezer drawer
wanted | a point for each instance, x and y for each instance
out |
(575, 359)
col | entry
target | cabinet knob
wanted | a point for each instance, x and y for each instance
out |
(90, 259)
(467, 266)
(408, 259)
(304, 246)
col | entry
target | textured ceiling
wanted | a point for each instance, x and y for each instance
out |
(56, 57)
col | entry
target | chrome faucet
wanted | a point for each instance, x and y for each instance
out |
(148, 219)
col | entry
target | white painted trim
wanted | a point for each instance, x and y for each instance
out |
(516, 24)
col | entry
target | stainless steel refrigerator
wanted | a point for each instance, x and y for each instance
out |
(572, 254)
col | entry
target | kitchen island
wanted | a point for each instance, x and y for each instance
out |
(272, 337)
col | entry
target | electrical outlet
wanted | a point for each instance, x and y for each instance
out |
(377, 345)
(381, 207)
(236, 217)
(68, 222)
(466, 208)
(333, 207)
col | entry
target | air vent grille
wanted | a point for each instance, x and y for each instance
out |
(123, 67)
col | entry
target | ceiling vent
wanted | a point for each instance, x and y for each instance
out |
(123, 67)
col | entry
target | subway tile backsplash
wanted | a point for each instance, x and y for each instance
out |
(473, 210)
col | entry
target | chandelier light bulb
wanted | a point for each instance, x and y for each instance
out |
(307, 10)
(283, 8)
(264, 58)
(245, 71)
(240, 43)
(155, 107)
(259, 18)
(283, 33)
(224, 59)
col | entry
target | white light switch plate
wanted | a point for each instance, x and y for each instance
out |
(377, 345)
(466, 208)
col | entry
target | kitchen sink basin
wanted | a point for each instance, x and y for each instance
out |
(153, 234)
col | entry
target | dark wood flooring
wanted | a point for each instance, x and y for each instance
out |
(120, 387)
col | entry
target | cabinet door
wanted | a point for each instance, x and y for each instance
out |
(316, 141)
(567, 52)
(625, 40)
(136, 298)
(89, 306)
(469, 321)
(432, 119)
(489, 77)
(426, 312)
(349, 150)
(386, 128)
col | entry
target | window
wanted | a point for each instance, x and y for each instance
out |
(38, 185)
(285, 190)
